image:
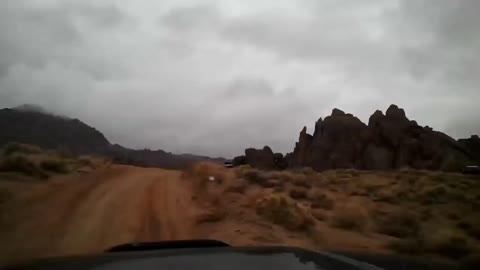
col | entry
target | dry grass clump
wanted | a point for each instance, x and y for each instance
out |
(20, 148)
(255, 176)
(262, 178)
(20, 163)
(321, 200)
(470, 226)
(302, 181)
(401, 224)
(283, 211)
(349, 217)
(446, 242)
(238, 185)
(200, 173)
(54, 165)
(298, 193)
(319, 214)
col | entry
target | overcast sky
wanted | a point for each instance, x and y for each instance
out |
(214, 77)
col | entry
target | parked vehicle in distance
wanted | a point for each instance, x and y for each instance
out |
(228, 164)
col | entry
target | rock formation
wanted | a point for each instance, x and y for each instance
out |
(389, 141)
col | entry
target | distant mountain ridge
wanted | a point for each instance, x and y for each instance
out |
(33, 125)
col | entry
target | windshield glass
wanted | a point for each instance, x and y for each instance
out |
(340, 126)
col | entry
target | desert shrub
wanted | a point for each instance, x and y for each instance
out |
(471, 262)
(199, 173)
(304, 170)
(319, 214)
(5, 195)
(411, 246)
(21, 164)
(236, 186)
(86, 161)
(453, 216)
(302, 181)
(298, 193)
(470, 227)
(400, 224)
(450, 244)
(349, 218)
(426, 214)
(21, 148)
(283, 211)
(434, 195)
(321, 200)
(256, 177)
(54, 165)
(64, 152)
(444, 243)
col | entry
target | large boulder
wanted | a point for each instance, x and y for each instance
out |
(260, 158)
(335, 143)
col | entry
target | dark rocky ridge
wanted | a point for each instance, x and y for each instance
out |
(35, 126)
(389, 141)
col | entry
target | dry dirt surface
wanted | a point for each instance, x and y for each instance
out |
(88, 213)
(85, 213)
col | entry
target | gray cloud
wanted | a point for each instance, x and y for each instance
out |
(218, 77)
(249, 87)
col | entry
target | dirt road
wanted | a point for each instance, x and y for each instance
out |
(89, 213)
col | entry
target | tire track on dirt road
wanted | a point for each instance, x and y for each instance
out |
(38, 222)
(92, 212)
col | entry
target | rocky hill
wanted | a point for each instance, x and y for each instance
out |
(50, 131)
(388, 141)
(32, 125)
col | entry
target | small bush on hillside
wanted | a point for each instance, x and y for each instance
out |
(283, 211)
(21, 148)
(21, 164)
(54, 165)
(321, 200)
(398, 224)
(349, 218)
(298, 193)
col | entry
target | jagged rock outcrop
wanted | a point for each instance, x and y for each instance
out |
(389, 141)
(262, 159)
